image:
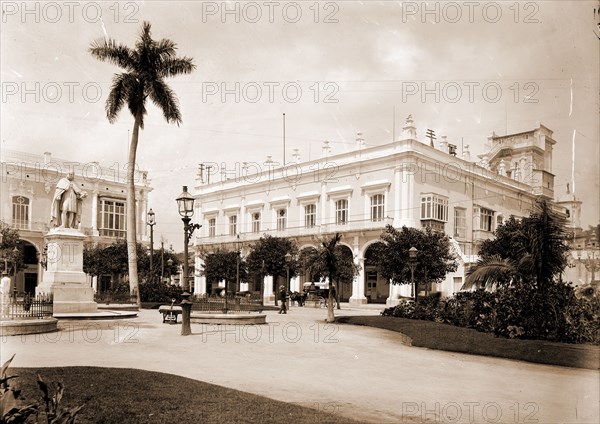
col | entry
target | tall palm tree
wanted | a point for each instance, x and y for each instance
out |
(146, 68)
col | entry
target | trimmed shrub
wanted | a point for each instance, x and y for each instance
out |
(159, 292)
(553, 314)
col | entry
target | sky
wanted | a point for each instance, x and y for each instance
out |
(335, 68)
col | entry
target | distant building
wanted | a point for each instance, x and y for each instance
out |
(584, 259)
(404, 183)
(27, 188)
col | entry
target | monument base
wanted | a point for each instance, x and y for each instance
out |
(64, 278)
(70, 298)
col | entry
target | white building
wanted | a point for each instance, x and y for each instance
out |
(27, 188)
(407, 182)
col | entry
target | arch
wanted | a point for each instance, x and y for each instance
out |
(367, 245)
(26, 280)
(303, 274)
(376, 288)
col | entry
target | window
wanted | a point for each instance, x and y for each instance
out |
(281, 219)
(212, 227)
(310, 215)
(341, 212)
(486, 219)
(434, 211)
(377, 202)
(111, 222)
(233, 225)
(434, 207)
(20, 212)
(256, 222)
(460, 222)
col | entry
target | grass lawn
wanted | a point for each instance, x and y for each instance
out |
(440, 336)
(117, 395)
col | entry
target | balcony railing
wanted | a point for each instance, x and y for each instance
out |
(355, 225)
(21, 224)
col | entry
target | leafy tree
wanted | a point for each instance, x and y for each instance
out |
(531, 251)
(112, 259)
(146, 68)
(267, 257)
(223, 265)
(93, 260)
(10, 252)
(159, 258)
(434, 258)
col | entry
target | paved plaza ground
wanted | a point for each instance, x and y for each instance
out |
(364, 373)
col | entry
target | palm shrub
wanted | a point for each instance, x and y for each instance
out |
(14, 409)
(470, 309)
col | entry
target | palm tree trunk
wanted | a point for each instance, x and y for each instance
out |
(131, 215)
(330, 299)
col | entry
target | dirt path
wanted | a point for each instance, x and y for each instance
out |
(358, 372)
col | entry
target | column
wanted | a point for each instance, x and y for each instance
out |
(404, 196)
(140, 210)
(242, 217)
(324, 218)
(393, 298)
(358, 283)
(412, 213)
(199, 277)
(397, 190)
(95, 213)
(295, 284)
(268, 292)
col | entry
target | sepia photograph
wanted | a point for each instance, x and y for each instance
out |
(311, 211)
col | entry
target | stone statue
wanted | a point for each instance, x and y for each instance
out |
(67, 203)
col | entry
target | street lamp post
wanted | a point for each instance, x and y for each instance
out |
(162, 262)
(288, 260)
(412, 263)
(185, 203)
(590, 262)
(151, 222)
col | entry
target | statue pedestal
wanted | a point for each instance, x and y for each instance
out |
(64, 277)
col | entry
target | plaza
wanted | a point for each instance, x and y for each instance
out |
(357, 372)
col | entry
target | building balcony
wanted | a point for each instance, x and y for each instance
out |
(317, 230)
(26, 225)
(481, 235)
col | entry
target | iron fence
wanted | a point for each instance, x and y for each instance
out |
(27, 307)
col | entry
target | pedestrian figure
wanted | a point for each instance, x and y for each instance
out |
(282, 298)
